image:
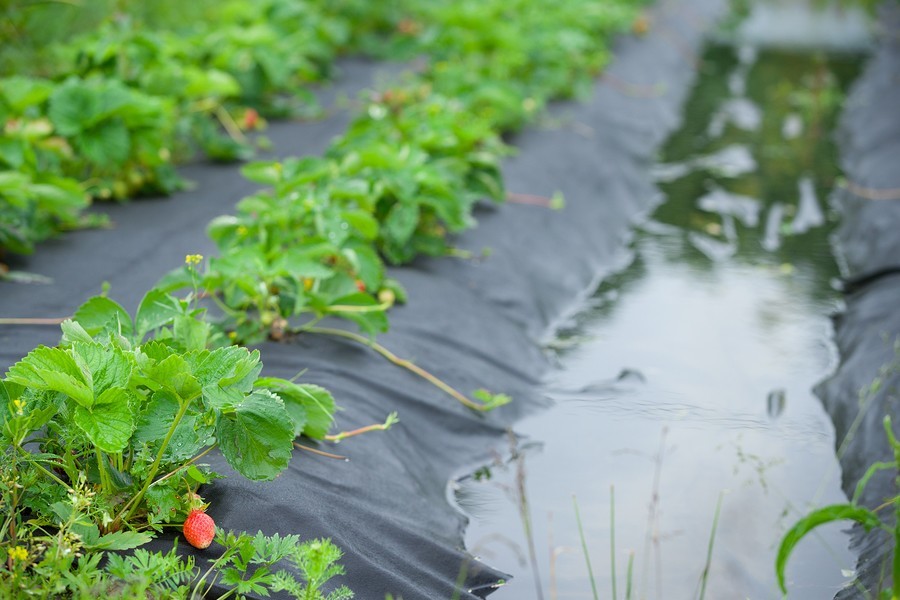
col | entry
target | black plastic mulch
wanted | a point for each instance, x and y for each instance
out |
(868, 329)
(475, 323)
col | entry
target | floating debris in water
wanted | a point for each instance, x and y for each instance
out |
(775, 402)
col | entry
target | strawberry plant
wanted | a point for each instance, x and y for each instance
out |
(134, 416)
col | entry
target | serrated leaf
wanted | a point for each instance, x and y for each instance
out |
(53, 369)
(108, 365)
(213, 367)
(102, 315)
(190, 332)
(157, 309)
(257, 439)
(73, 332)
(109, 423)
(245, 373)
(294, 400)
(163, 503)
(155, 420)
(174, 374)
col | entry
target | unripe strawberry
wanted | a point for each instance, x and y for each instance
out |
(199, 529)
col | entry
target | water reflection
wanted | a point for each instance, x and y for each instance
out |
(690, 375)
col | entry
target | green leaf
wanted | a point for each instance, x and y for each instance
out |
(102, 315)
(73, 105)
(73, 332)
(173, 373)
(157, 309)
(401, 222)
(294, 399)
(121, 540)
(362, 222)
(155, 420)
(367, 264)
(162, 503)
(109, 424)
(299, 264)
(827, 514)
(23, 92)
(266, 173)
(109, 367)
(106, 145)
(191, 332)
(257, 439)
(53, 369)
(320, 407)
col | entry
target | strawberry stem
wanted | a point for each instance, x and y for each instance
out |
(401, 362)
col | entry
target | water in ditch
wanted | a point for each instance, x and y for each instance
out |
(687, 384)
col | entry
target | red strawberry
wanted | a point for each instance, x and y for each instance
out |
(251, 119)
(199, 529)
(360, 285)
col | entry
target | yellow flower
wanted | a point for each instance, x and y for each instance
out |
(193, 259)
(18, 553)
(20, 406)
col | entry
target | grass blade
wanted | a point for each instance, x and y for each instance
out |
(587, 556)
(827, 514)
(709, 549)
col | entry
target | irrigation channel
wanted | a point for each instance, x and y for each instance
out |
(688, 381)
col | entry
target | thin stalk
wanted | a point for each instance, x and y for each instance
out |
(229, 124)
(47, 472)
(525, 513)
(709, 550)
(23, 321)
(400, 362)
(349, 308)
(337, 437)
(584, 548)
(184, 466)
(629, 575)
(319, 452)
(104, 476)
(612, 538)
(136, 500)
(460, 579)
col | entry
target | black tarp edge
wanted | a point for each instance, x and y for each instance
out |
(868, 329)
